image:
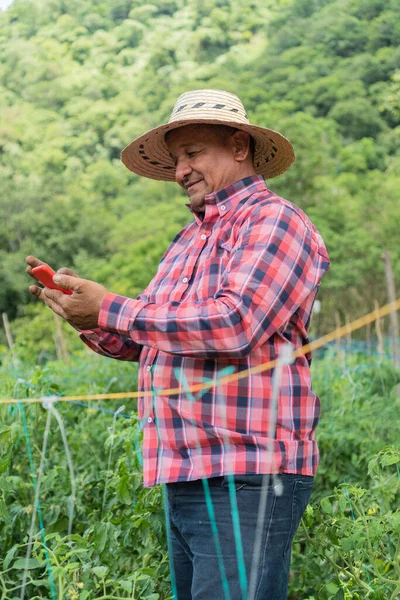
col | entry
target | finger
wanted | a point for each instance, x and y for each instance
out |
(53, 295)
(53, 299)
(36, 291)
(33, 262)
(68, 282)
(46, 294)
(56, 308)
(66, 271)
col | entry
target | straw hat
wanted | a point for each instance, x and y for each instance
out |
(148, 155)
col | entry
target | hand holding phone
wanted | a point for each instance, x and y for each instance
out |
(45, 274)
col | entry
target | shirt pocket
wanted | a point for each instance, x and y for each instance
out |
(211, 269)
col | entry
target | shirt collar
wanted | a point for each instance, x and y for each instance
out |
(229, 197)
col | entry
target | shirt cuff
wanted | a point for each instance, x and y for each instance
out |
(89, 333)
(117, 313)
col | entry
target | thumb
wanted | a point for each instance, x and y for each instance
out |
(68, 282)
(66, 271)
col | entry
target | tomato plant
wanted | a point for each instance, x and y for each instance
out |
(347, 545)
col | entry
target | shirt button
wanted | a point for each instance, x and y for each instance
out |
(203, 237)
(149, 420)
(223, 207)
(185, 280)
(148, 368)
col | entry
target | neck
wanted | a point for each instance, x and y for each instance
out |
(247, 170)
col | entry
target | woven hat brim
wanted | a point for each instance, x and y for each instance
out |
(148, 155)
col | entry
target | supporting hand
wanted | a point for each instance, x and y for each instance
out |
(82, 307)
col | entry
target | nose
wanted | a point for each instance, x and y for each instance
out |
(183, 169)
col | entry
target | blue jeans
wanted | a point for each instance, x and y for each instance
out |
(194, 557)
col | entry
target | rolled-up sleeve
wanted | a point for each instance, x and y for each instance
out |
(274, 265)
(118, 346)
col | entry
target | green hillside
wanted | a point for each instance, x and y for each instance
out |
(79, 80)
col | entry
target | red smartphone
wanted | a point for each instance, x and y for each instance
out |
(45, 275)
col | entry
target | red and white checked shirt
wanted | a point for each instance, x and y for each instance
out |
(234, 285)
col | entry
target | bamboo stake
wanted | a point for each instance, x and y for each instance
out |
(337, 325)
(61, 347)
(10, 341)
(368, 336)
(57, 345)
(394, 320)
(348, 335)
(378, 328)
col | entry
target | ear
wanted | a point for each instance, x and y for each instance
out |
(241, 145)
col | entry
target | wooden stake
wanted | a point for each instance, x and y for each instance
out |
(368, 336)
(57, 345)
(394, 321)
(337, 324)
(348, 335)
(61, 347)
(378, 328)
(10, 341)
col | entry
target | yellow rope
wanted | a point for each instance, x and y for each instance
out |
(198, 387)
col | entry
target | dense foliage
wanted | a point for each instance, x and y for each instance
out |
(78, 80)
(347, 547)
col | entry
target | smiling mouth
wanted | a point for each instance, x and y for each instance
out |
(190, 185)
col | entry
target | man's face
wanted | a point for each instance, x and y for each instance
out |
(205, 160)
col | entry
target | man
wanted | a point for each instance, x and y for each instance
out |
(235, 286)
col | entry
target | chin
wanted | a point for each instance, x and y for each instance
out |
(198, 203)
(197, 199)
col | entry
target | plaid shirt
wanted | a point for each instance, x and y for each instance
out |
(234, 285)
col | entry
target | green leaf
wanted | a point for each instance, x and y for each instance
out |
(5, 435)
(39, 583)
(3, 509)
(72, 565)
(123, 492)
(343, 503)
(356, 540)
(100, 536)
(388, 460)
(100, 572)
(51, 536)
(126, 585)
(5, 460)
(326, 506)
(331, 588)
(76, 537)
(31, 563)
(10, 556)
(149, 572)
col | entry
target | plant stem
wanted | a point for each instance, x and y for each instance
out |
(133, 589)
(396, 558)
(357, 578)
(395, 594)
(60, 587)
(108, 597)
